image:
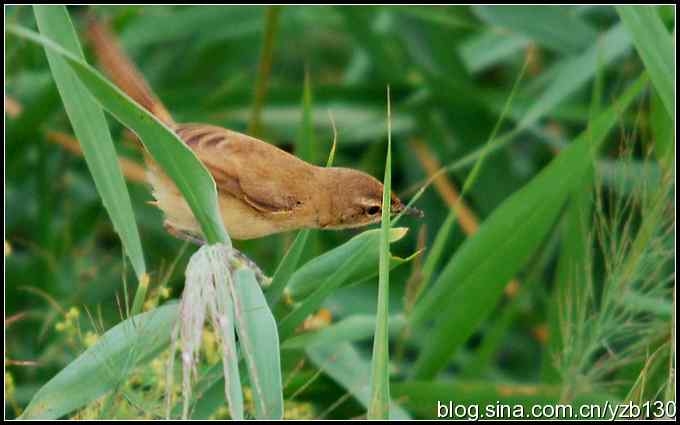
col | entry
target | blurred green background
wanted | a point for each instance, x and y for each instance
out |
(450, 71)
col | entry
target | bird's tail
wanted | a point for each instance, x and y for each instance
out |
(123, 72)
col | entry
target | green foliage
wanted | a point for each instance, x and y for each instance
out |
(544, 123)
(104, 366)
(379, 407)
(655, 46)
(476, 275)
(556, 28)
(343, 363)
(260, 344)
(364, 247)
(177, 160)
(90, 126)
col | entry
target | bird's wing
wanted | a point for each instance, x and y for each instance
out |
(259, 174)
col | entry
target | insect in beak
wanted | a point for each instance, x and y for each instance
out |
(412, 211)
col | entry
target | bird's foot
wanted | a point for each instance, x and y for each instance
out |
(237, 255)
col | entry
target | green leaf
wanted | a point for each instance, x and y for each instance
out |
(207, 24)
(91, 129)
(341, 273)
(211, 396)
(331, 270)
(355, 328)
(305, 145)
(555, 27)
(572, 73)
(565, 77)
(570, 281)
(259, 340)
(224, 327)
(286, 268)
(344, 364)
(359, 121)
(472, 282)
(379, 408)
(104, 366)
(488, 48)
(664, 132)
(436, 251)
(309, 277)
(177, 160)
(655, 46)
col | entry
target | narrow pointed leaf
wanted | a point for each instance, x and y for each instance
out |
(177, 160)
(105, 365)
(308, 277)
(92, 131)
(654, 44)
(555, 27)
(287, 267)
(472, 282)
(352, 329)
(379, 408)
(224, 323)
(259, 344)
(313, 302)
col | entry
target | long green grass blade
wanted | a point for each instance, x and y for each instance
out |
(663, 129)
(329, 272)
(307, 278)
(488, 48)
(355, 328)
(104, 366)
(555, 27)
(259, 340)
(177, 160)
(655, 46)
(436, 252)
(312, 303)
(205, 25)
(287, 267)
(572, 73)
(574, 231)
(91, 129)
(264, 69)
(379, 408)
(305, 143)
(472, 282)
(566, 76)
(360, 122)
(224, 327)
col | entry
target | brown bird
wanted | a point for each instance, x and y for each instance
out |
(262, 189)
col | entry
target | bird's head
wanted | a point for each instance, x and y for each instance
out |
(356, 199)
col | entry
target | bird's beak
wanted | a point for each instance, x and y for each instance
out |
(414, 212)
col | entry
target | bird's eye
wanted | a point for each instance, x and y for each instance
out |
(373, 210)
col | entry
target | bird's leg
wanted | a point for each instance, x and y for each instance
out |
(182, 235)
(262, 279)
